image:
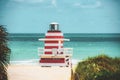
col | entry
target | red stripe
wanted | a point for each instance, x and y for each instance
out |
(50, 47)
(53, 61)
(50, 60)
(48, 52)
(54, 37)
(51, 41)
(54, 31)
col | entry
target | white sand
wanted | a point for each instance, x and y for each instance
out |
(35, 72)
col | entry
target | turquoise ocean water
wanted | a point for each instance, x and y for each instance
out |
(24, 46)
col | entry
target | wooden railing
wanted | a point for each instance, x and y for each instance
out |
(55, 51)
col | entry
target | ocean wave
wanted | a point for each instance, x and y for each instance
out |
(36, 62)
(85, 39)
(26, 62)
(72, 37)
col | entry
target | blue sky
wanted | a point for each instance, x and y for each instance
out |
(74, 16)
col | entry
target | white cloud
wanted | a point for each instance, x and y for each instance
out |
(35, 1)
(54, 3)
(51, 3)
(95, 5)
(18, 0)
(29, 1)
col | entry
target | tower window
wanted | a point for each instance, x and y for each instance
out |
(54, 27)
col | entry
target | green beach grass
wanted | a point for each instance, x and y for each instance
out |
(101, 67)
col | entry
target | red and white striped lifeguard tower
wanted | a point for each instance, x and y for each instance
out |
(54, 53)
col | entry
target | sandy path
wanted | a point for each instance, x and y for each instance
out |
(35, 72)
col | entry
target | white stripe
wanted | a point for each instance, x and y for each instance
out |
(53, 44)
(58, 39)
(54, 34)
(53, 64)
(47, 50)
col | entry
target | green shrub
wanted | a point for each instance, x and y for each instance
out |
(4, 53)
(101, 67)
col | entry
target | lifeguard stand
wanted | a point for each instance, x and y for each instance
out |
(54, 53)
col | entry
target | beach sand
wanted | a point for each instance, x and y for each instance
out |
(35, 72)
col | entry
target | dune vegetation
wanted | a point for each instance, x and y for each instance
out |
(101, 67)
(4, 53)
